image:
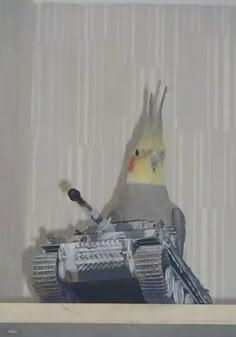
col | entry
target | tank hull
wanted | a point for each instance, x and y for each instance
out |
(137, 266)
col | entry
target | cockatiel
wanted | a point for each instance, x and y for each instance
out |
(145, 196)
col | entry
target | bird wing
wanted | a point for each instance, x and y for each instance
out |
(178, 220)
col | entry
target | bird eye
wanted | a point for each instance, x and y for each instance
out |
(136, 153)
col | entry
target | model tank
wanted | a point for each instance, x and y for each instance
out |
(134, 262)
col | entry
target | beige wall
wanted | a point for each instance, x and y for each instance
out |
(16, 32)
(70, 100)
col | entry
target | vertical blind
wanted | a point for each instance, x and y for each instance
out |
(87, 66)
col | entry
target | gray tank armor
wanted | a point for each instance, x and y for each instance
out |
(133, 262)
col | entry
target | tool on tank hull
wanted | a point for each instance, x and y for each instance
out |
(139, 264)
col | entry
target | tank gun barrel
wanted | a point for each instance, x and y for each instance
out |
(103, 224)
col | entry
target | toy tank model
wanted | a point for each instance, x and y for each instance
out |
(134, 262)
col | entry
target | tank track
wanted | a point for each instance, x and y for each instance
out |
(163, 277)
(150, 263)
(44, 278)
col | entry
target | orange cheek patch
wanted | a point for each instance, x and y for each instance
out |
(131, 164)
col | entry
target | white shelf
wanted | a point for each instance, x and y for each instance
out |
(104, 320)
(117, 314)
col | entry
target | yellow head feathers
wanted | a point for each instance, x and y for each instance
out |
(146, 163)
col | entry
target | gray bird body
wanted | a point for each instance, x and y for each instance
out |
(150, 202)
(145, 196)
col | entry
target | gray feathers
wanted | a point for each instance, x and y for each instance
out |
(143, 202)
(150, 201)
(178, 221)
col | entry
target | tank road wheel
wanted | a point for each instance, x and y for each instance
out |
(188, 299)
(170, 280)
(150, 265)
(179, 292)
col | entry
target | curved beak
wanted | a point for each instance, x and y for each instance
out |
(154, 159)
